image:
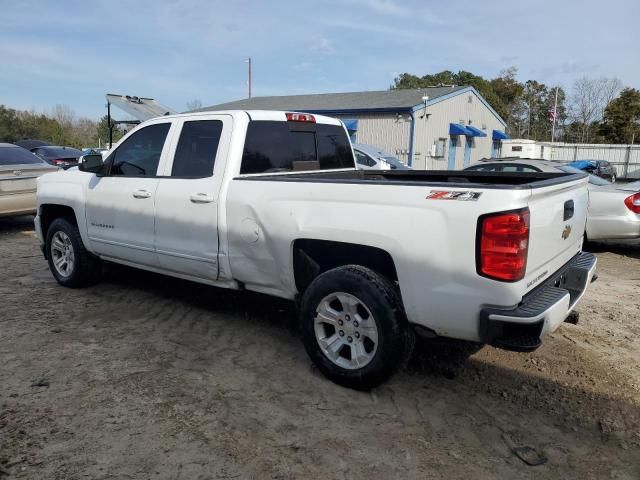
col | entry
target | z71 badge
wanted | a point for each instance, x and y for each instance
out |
(454, 195)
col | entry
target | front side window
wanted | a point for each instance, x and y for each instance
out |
(139, 155)
(485, 168)
(196, 150)
(519, 168)
(364, 159)
(272, 146)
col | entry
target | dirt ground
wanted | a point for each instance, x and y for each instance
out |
(144, 376)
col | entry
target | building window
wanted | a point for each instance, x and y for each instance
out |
(517, 148)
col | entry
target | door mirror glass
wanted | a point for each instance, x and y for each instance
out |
(91, 163)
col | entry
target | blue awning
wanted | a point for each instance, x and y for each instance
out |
(351, 124)
(475, 132)
(457, 129)
(500, 135)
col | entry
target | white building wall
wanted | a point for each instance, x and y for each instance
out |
(465, 109)
(388, 131)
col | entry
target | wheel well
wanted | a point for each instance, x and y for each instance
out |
(48, 213)
(313, 257)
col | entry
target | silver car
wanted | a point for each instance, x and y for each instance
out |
(19, 170)
(614, 208)
(369, 157)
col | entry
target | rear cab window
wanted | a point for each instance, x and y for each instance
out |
(276, 146)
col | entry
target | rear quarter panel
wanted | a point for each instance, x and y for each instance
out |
(432, 242)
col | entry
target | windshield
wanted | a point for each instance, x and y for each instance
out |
(592, 178)
(59, 152)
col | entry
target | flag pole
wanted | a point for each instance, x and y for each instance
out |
(555, 115)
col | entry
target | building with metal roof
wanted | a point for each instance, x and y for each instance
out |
(444, 127)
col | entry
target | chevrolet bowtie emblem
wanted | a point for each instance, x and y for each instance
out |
(566, 232)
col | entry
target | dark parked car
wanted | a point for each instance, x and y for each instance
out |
(64, 157)
(600, 168)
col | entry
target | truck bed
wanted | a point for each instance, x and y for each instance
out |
(449, 178)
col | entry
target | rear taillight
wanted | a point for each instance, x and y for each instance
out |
(633, 202)
(503, 243)
(59, 161)
(300, 117)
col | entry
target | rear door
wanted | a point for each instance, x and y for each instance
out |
(187, 198)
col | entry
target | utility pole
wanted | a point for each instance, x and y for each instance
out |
(249, 82)
(555, 115)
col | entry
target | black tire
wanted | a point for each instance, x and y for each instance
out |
(613, 178)
(86, 267)
(380, 296)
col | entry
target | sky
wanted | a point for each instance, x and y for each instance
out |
(74, 52)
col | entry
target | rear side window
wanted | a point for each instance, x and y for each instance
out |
(18, 156)
(196, 150)
(139, 155)
(272, 146)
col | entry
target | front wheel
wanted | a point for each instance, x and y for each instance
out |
(354, 327)
(70, 263)
(613, 178)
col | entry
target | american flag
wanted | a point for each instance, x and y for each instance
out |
(552, 114)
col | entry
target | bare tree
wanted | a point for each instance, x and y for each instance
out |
(590, 98)
(85, 132)
(194, 104)
(64, 115)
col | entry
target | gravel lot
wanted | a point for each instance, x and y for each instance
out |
(144, 376)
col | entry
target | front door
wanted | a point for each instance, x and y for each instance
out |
(187, 198)
(453, 142)
(120, 204)
(467, 151)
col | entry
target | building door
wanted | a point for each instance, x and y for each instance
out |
(467, 151)
(453, 142)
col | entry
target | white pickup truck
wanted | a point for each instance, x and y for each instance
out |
(271, 202)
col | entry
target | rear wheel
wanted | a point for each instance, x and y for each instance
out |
(354, 328)
(70, 263)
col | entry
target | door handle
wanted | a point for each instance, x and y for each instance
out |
(141, 194)
(201, 198)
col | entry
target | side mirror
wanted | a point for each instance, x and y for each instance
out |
(91, 163)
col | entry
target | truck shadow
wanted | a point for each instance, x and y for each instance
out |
(10, 225)
(461, 375)
(628, 248)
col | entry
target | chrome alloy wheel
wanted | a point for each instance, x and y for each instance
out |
(62, 253)
(346, 330)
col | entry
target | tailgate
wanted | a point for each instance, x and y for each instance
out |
(558, 215)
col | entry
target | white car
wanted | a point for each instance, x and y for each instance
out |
(272, 202)
(614, 208)
(369, 157)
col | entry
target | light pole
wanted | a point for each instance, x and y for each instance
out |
(249, 73)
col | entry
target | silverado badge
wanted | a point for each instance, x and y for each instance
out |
(566, 232)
